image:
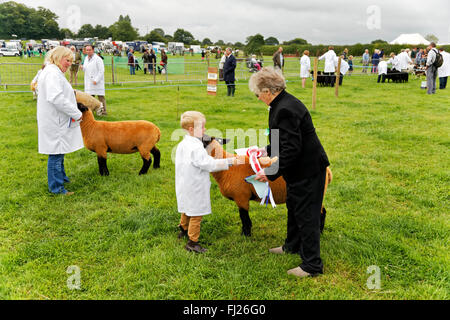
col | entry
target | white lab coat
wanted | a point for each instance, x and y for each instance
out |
(344, 65)
(222, 61)
(403, 60)
(192, 181)
(94, 70)
(305, 67)
(382, 67)
(56, 104)
(394, 62)
(444, 70)
(330, 58)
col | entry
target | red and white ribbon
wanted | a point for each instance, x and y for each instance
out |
(253, 155)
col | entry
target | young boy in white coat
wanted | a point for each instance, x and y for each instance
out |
(192, 181)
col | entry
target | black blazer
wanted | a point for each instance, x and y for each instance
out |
(228, 68)
(301, 154)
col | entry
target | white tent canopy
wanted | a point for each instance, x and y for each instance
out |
(412, 38)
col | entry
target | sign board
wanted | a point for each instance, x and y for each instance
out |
(212, 81)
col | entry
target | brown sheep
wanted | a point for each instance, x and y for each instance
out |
(120, 137)
(233, 186)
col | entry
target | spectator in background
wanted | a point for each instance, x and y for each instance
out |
(278, 59)
(418, 56)
(221, 64)
(164, 60)
(146, 60)
(305, 67)
(350, 65)
(375, 60)
(94, 76)
(345, 54)
(381, 53)
(75, 65)
(131, 62)
(431, 69)
(414, 53)
(444, 70)
(228, 72)
(365, 60)
(152, 65)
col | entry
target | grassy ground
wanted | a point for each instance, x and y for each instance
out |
(388, 145)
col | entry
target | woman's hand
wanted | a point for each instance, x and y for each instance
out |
(261, 176)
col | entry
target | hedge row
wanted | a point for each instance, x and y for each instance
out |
(354, 50)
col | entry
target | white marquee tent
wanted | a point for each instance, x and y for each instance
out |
(412, 38)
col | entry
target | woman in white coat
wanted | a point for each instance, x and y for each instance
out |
(94, 76)
(58, 117)
(305, 67)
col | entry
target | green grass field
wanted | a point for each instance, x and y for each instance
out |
(388, 205)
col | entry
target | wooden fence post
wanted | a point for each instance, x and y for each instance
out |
(338, 76)
(314, 91)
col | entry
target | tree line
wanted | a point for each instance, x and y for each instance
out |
(18, 20)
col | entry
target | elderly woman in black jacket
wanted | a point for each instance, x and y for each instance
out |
(302, 162)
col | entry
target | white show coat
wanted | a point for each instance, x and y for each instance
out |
(94, 70)
(192, 181)
(444, 70)
(56, 104)
(305, 67)
(394, 62)
(403, 60)
(344, 65)
(382, 67)
(330, 58)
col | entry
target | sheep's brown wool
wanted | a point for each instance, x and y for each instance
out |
(233, 186)
(120, 137)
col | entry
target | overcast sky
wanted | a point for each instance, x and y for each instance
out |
(337, 22)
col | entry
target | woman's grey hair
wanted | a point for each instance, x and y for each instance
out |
(267, 78)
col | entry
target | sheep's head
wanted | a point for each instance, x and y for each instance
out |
(213, 145)
(88, 101)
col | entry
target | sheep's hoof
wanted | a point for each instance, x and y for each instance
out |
(246, 232)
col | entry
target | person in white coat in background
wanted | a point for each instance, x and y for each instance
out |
(394, 62)
(94, 77)
(404, 61)
(192, 181)
(330, 58)
(58, 117)
(382, 71)
(444, 70)
(343, 70)
(305, 67)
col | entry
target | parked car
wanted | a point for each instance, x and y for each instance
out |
(9, 52)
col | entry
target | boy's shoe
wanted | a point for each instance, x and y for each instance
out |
(299, 272)
(195, 247)
(277, 250)
(183, 233)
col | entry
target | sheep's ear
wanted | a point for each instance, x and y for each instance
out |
(82, 107)
(206, 140)
(222, 141)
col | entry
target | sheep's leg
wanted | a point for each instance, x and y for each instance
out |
(246, 222)
(157, 157)
(146, 164)
(103, 168)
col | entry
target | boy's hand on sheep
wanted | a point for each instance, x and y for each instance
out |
(238, 160)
